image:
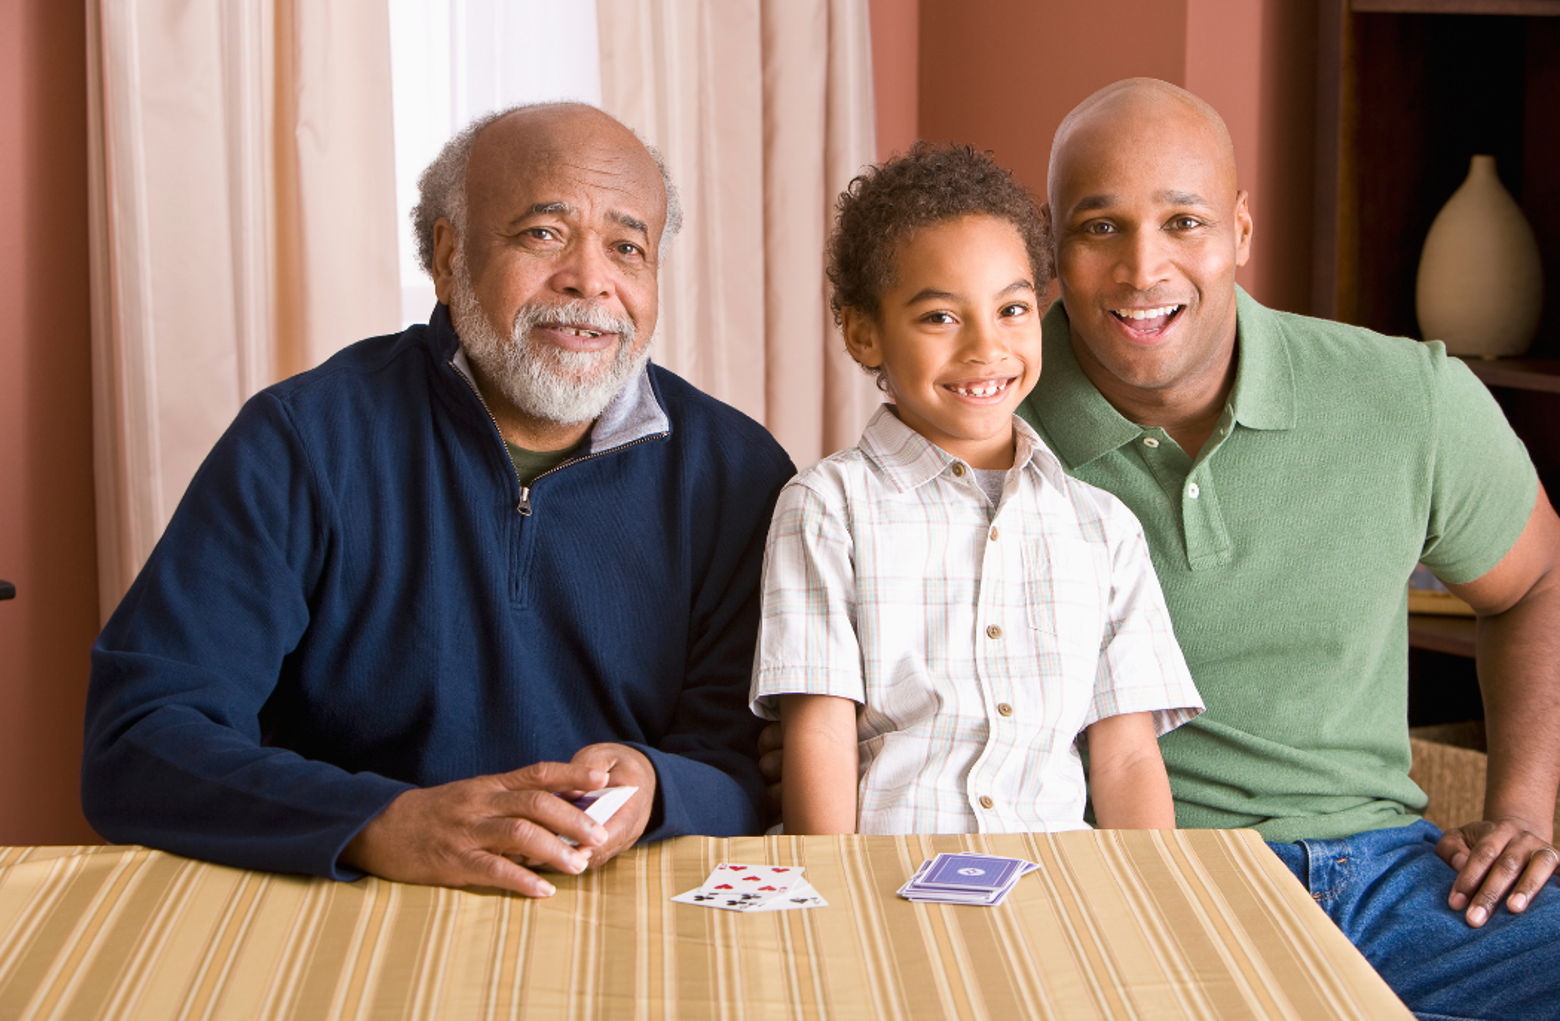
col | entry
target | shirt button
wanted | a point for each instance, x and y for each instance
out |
(986, 802)
(1003, 709)
(1149, 441)
(958, 469)
(1192, 491)
(994, 533)
(994, 631)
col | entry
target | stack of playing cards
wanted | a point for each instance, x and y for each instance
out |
(733, 887)
(600, 805)
(966, 878)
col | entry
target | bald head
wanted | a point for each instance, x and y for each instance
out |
(1132, 120)
(443, 186)
(1150, 228)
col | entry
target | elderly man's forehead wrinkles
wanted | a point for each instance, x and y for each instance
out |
(618, 217)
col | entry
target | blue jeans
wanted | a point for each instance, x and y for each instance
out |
(1387, 890)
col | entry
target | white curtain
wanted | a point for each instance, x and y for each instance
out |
(242, 210)
(763, 110)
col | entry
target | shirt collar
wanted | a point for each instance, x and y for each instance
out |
(908, 460)
(633, 414)
(1083, 425)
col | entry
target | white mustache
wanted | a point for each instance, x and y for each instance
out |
(572, 313)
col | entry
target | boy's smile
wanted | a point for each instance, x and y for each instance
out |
(957, 336)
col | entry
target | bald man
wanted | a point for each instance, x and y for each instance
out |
(1289, 474)
(416, 593)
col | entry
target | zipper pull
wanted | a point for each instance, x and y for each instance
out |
(524, 506)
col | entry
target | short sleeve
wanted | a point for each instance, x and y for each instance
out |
(1483, 484)
(807, 627)
(1141, 668)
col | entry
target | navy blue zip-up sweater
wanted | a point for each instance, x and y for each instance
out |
(349, 601)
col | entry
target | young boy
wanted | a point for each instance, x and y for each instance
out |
(946, 611)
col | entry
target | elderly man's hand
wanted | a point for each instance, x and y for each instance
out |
(626, 767)
(1494, 858)
(473, 832)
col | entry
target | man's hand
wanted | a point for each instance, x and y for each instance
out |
(469, 832)
(624, 766)
(1492, 858)
(771, 752)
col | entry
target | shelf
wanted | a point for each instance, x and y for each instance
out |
(1541, 374)
(1438, 633)
(1538, 7)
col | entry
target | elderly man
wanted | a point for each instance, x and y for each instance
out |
(418, 591)
(1289, 473)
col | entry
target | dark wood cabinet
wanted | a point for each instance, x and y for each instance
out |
(1407, 92)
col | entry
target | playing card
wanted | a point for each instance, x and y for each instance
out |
(600, 805)
(734, 886)
(802, 895)
(969, 872)
(965, 878)
(743, 887)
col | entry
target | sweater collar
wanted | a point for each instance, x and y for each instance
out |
(635, 413)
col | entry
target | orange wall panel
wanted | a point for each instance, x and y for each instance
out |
(46, 511)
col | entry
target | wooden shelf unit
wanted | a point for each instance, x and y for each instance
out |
(1408, 91)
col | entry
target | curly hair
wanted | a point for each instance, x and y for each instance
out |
(882, 207)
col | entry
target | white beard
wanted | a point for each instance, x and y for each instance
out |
(541, 379)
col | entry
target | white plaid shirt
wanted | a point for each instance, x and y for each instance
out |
(979, 642)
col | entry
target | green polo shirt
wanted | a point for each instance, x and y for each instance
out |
(1342, 459)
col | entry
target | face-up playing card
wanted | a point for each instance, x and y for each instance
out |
(734, 886)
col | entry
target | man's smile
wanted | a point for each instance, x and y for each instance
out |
(1147, 320)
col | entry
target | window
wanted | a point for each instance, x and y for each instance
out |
(455, 60)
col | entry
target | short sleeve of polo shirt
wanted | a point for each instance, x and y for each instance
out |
(1483, 484)
(808, 614)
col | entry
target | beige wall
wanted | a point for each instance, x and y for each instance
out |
(46, 515)
(999, 73)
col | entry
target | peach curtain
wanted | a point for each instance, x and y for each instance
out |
(764, 112)
(242, 211)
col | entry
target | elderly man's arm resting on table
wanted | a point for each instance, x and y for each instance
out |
(1509, 853)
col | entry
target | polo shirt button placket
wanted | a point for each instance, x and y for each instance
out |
(1193, 491)
(987, 802)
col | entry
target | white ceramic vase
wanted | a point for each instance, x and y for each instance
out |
(1480, 283)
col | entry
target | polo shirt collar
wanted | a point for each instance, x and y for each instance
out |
(1082, 424)
(1264, 395)
(909, 460)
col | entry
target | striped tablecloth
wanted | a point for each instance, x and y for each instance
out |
(1115, 924)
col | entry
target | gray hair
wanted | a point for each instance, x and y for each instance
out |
(441, 188)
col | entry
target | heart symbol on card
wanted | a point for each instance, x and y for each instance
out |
(779, 869)
(725, 886)
(751, 879)
(769, 888)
